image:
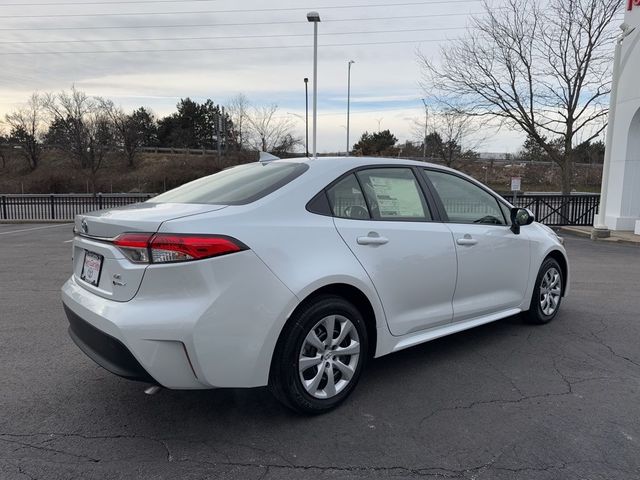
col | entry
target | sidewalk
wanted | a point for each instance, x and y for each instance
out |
(627, 238)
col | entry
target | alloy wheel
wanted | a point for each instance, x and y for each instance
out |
(550, 291)
(329, 356)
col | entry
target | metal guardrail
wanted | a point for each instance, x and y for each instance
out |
(551, 210)
(177, 150)
(556, 210)
(172, 150)
(62, 206)
(501, 161)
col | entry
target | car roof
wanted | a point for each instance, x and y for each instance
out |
(333, 164)
(355, 162)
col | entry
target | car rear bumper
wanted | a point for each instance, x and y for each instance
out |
(107, 351)
(205, 324)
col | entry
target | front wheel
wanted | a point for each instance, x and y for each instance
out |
(547, 293)
(320, 356)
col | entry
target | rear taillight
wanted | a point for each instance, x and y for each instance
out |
(177, 248)
(172, 247)
(135, 246)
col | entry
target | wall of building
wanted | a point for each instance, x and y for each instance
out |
(622, 210)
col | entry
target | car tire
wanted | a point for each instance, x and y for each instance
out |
(547, 293)
(308, 374)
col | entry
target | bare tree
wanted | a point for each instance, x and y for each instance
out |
(459, 134)
(27, 125)
(450, 136)
(82, 128)
(3, 141)
(129, 128)
(540, 67)
(269, 132)
(238, 108)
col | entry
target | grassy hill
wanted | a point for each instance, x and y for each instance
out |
(153, 172)
(157, 172)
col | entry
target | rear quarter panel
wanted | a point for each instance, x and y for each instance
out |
(303, 250)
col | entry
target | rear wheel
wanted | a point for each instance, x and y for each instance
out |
(320, 356)
(547, 293)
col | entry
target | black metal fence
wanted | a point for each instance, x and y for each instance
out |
(62, 207)
(558, 210)
(550, 209)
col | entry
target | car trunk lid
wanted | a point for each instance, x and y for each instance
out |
(99, 266)
(138, 217)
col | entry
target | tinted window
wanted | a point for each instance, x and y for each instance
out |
(465, 202)
(393, 194)
(320, 204)
(235, 186)
(346, 199)
(506, 211)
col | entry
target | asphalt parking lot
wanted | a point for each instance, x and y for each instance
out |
(502, 401)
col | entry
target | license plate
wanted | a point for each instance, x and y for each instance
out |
(91, 268)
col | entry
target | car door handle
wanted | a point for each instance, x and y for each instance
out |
(373, 238)
(466, 240)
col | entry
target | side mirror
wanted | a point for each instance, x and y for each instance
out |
(519, 218)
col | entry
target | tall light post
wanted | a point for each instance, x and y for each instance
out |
(314, 17)
(351, 62)
(426, 119)
(306, 115)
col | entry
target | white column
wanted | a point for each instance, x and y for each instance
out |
(620, 201)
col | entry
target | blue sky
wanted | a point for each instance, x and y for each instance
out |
(222, 53)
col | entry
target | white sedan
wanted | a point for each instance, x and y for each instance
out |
(293, 273)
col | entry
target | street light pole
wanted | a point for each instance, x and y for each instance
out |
(426, 119)
(351, 62)
(306, 115)
(314, 17)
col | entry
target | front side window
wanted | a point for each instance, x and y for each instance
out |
(506, 211)
(465, 202)
(393, 194)
(235, 186)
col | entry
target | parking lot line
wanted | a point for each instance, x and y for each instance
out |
(36, 228)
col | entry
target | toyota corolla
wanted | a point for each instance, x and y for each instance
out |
(293, 273)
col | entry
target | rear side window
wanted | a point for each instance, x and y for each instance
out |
(347, 200)
(393, 194)
(235, 186)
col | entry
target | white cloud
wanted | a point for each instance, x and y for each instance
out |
(383, 77)
(379, 98)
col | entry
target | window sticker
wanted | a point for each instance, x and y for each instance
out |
(397, 197)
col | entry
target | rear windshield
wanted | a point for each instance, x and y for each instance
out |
(236, 186)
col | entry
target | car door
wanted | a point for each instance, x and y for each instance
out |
(384, 218)
(493, 262)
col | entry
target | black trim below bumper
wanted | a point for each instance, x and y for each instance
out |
(105, 350)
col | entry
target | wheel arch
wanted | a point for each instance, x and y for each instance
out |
(350, 293)
(559, 257)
